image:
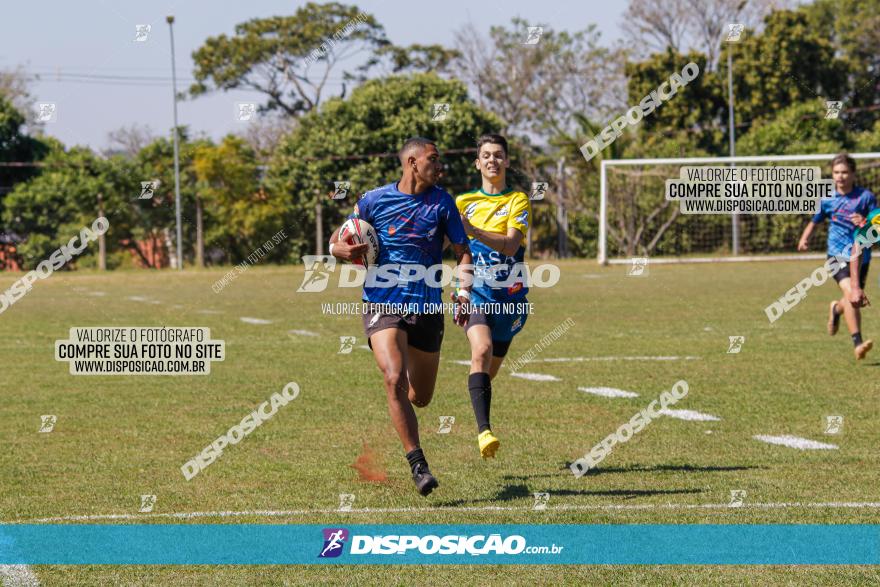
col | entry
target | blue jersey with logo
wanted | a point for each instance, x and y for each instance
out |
(411, 231)
(838, 209)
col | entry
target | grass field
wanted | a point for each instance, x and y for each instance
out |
(118, 437)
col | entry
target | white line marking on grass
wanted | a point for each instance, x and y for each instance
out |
(303, 332)
(137, 299)
(365, 347)
(689, 415)
(585, 359)
(247, 320)
(608, 392)
(18, 576)
(210, 312)
(336, 511)
(621, 358)
(795, 442)
(97, 293)
(535, 376)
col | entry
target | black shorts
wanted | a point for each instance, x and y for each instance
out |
(843, 273)
(423, 331)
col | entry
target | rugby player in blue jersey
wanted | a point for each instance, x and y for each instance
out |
(497, 220)
(847, 210)
(403, 324)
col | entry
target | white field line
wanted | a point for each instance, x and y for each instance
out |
(608, 392)
(535, 376)
(691, 415)
(424, 510)
(585, 359)
(795, 442)
(249, 320)
(303, 333)
(18, 576)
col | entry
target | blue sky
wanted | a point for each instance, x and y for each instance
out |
(96, 37)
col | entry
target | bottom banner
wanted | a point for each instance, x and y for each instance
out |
(264, 544)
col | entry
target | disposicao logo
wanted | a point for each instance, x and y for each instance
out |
(334, 540)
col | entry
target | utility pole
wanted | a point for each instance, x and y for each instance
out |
(561, 215)
(732, 128)
(170, 21)
(102, 244)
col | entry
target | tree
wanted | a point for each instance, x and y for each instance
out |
(129, 140)
(14, 86)
(275, 56)
(799, 128)
(855, 34)
(356, 140)
(51, 208)
(696, 109)
(534, 88)
(790, 62)
(419, 58)
(654, 26)
(242, 214)
(17, 146)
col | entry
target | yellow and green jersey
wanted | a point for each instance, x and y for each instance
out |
(497, 277)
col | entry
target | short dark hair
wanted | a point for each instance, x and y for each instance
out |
(845, 159)
(411, 144)
(493, 139)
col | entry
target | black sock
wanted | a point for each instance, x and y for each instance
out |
(480, 388)
(857, 338)
(416, 457)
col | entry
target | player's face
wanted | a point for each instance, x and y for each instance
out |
(492, 161)
(843, 177)
(427, 165)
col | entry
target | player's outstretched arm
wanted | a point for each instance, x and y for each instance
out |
(803, 244)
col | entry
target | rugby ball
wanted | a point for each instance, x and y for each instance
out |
(355, 231)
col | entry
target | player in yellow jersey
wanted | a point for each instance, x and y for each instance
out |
(496, 218)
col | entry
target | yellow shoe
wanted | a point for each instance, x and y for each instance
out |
(488, 444)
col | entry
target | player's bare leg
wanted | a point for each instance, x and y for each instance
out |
(390, 349)
(422, 368)
(480, 386)
(495, 367)
(480, 338)
(853, 317)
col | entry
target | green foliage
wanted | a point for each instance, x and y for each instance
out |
(791, 62)
(854, 27)
(51, 208)
(342, 142)
(274, 55)
(798, 128)
(240, 214)
(697, 108)
(15, 145)
(422, 58)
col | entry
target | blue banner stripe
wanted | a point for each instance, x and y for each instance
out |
(206, 544)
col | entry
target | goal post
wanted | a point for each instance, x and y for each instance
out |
(635, 219)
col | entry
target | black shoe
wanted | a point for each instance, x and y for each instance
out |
(424, 480)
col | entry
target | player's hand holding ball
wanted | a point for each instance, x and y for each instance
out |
(358, 243)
